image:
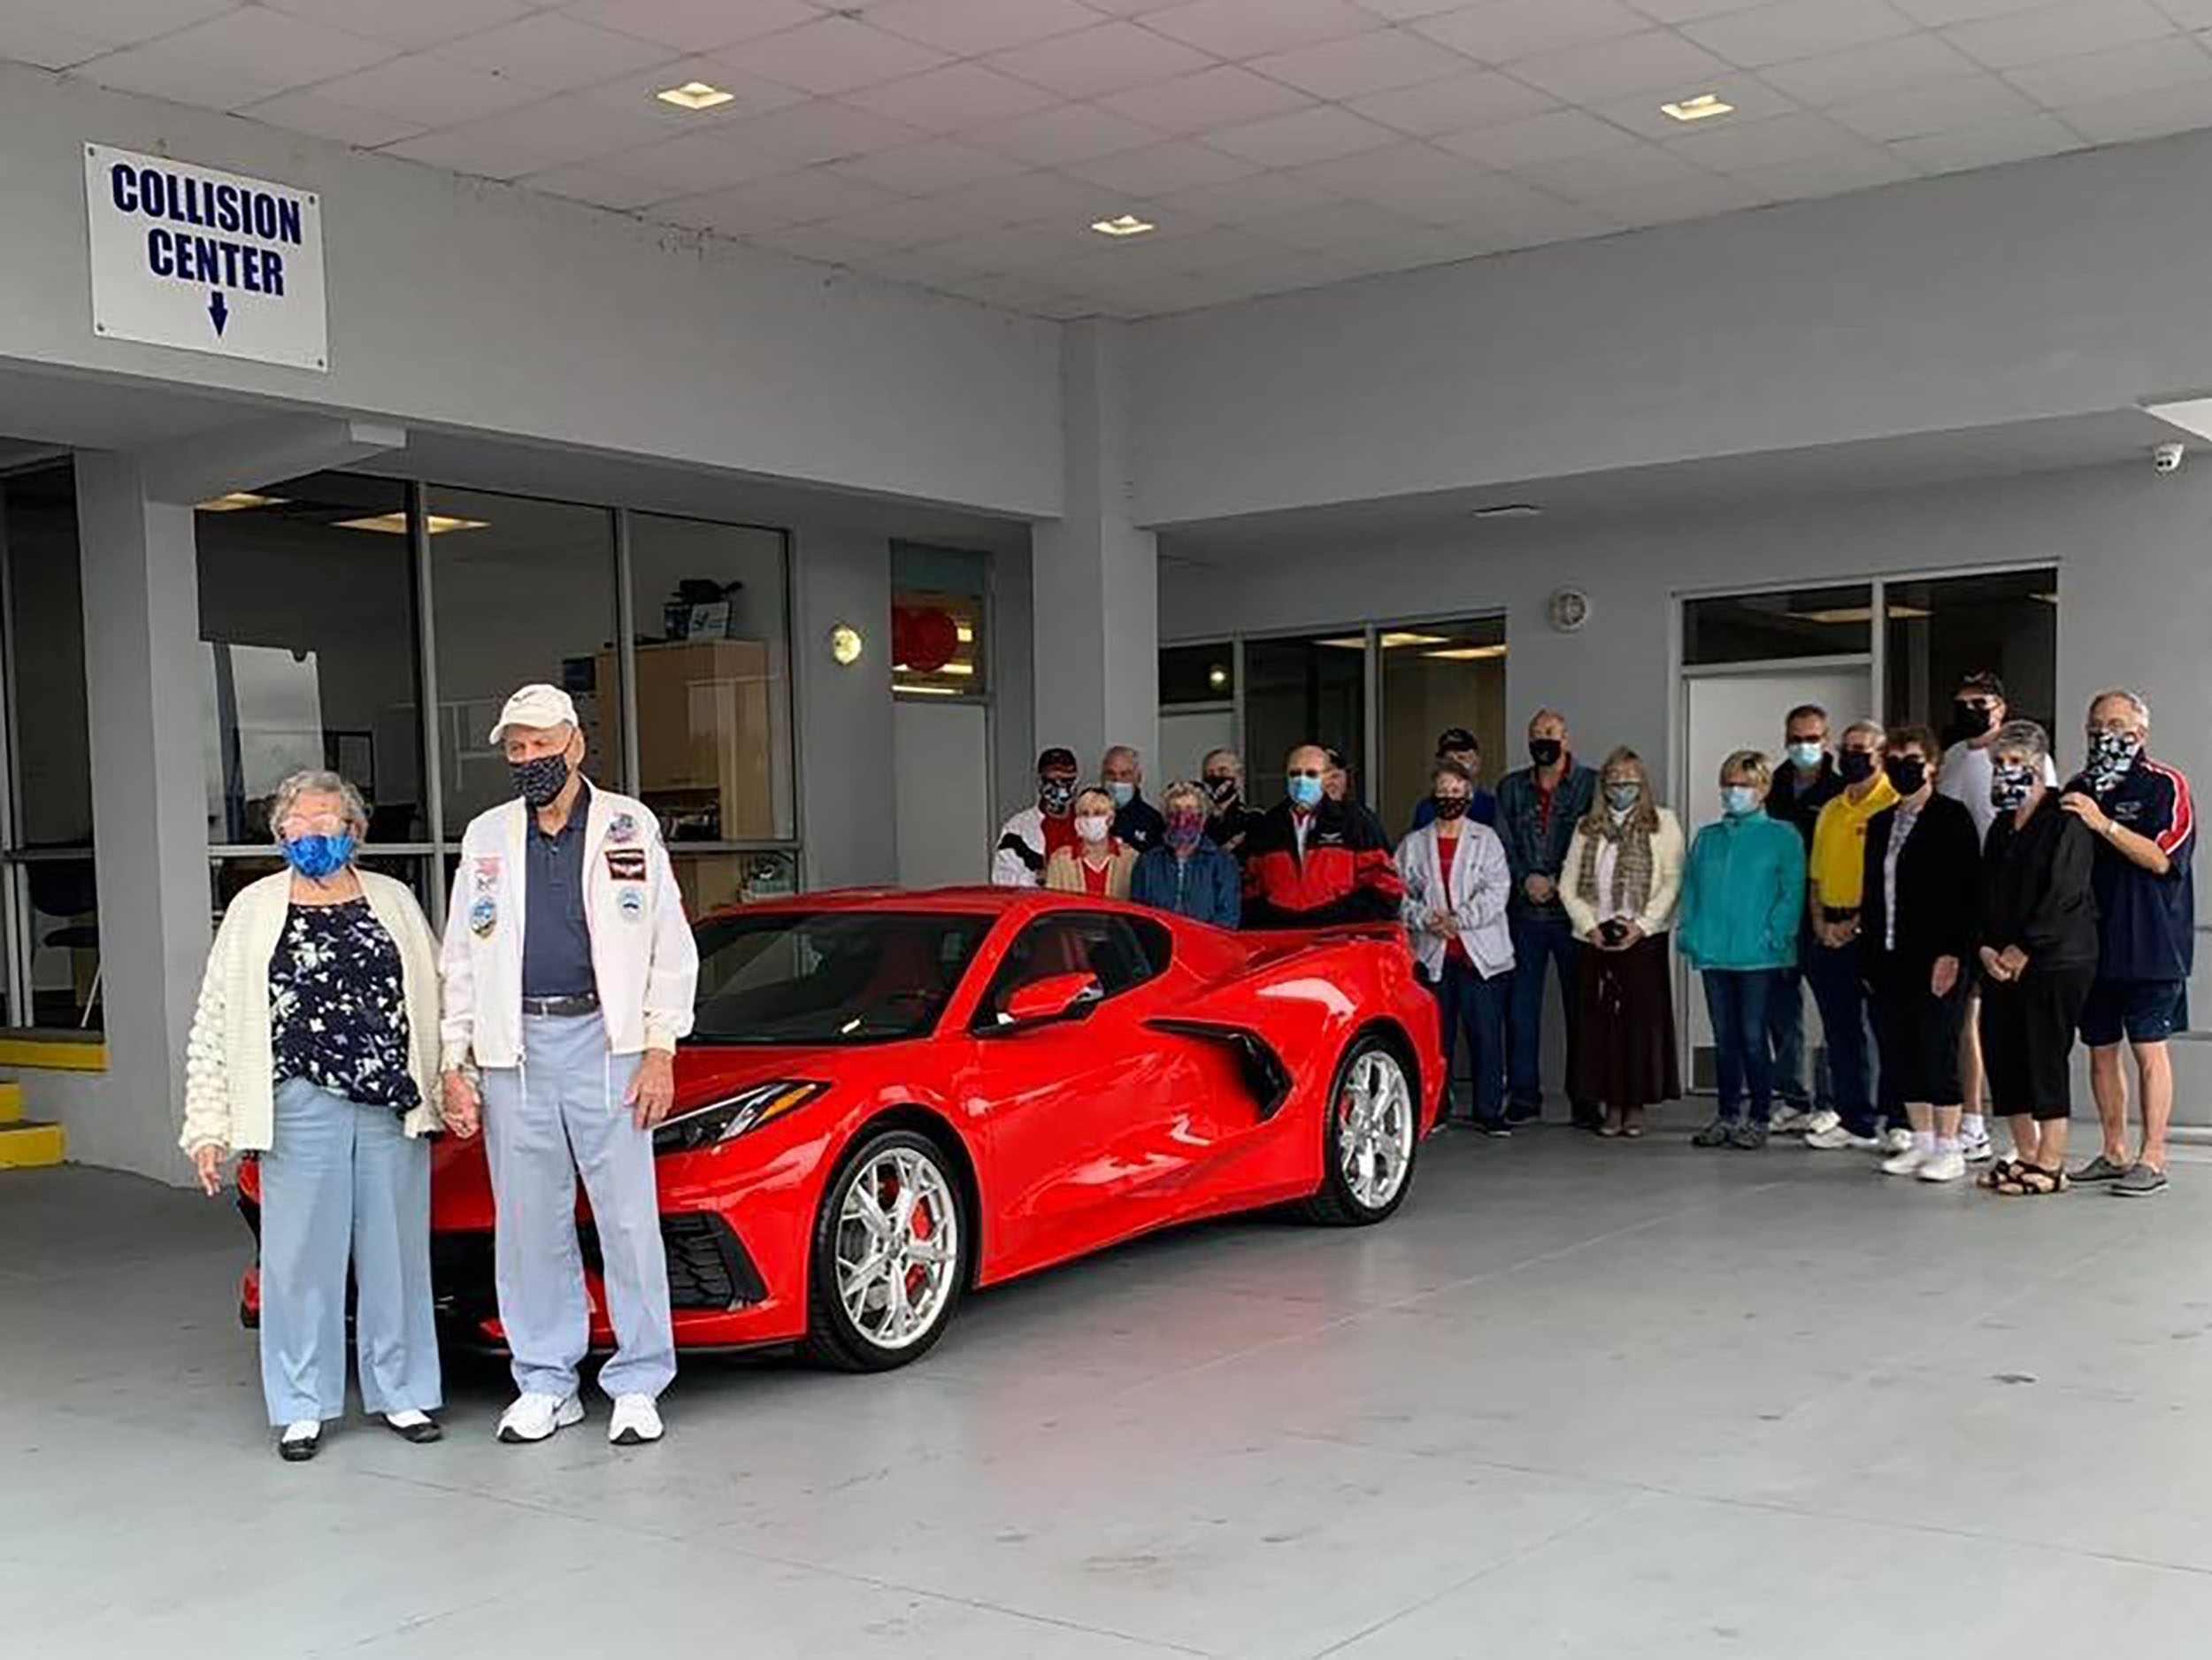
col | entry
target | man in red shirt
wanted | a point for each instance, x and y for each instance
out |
(1311, 861)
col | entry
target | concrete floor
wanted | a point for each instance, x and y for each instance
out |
(1580, 1398)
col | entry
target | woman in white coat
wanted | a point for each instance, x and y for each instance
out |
(315, 1047)
(1456, 886)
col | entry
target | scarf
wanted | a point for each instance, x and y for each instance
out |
(1632, 863)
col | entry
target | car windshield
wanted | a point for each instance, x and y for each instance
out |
(829, 976)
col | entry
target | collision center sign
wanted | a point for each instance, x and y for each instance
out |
(185, 256)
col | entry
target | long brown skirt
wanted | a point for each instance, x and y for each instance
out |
(1625, 1050)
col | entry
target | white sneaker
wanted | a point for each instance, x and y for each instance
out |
(1908, 1162)
(1978, 1149)
(535, 1416)
(1897, 1141)
(636, 1421)
(1942, 1167)
(1821, 1120)
(1836, 1139)
(1788, 1121)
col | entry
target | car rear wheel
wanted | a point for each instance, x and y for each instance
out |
(890, 1255)
(1369, 1132)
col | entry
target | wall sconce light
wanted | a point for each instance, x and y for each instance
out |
(846, 645)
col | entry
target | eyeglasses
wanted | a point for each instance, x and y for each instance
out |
(1307, 771)
(327, 825)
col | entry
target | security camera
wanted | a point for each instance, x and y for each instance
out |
(2167, 457)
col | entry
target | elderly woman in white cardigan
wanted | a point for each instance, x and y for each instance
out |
(315, 1047)
(1457, 885)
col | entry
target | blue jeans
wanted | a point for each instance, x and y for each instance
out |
(1538, 941)
(1466, 1002)
(1840, 990)
(1741, 1002)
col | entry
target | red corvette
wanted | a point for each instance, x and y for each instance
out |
(891, 1098)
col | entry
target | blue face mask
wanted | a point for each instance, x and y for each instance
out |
(1305, 792)
(1739, 800)
(1122, 792)
(1807, 755)
(317, 857)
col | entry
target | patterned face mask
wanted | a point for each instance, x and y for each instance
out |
(539, 781)
(317, 857)
(1184, 831)
(1056, 796)
(2008, 788)
(2111, 756)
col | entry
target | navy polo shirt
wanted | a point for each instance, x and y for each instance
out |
(556, 939)
(2147, 922)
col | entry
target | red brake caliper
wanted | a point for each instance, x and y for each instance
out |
(924, 1225)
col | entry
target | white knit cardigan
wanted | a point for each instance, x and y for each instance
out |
(229, 1088)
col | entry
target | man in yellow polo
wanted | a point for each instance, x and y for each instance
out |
(1835, 881)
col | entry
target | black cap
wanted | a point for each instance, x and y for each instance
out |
(1336, 758)
(1058, 759)
(1455, 738)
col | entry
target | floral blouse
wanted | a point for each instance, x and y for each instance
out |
(338, 1006)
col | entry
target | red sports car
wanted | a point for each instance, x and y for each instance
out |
(891, 1098)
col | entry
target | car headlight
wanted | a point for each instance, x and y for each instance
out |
(730, 1117)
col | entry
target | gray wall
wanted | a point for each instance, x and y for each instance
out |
(2049, 289)
(844, 713)
(463, 304)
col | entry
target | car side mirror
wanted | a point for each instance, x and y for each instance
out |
(1055, 997)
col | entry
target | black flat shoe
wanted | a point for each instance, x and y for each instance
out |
(299, 1450)
(421, 1433)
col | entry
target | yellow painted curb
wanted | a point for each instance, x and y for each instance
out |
(11, 1101)
(63, 1055)
(32, 1146)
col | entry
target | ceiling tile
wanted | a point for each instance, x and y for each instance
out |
(967, 28)
(1252, 28)
(1658, 62)
(312, 113)
(692, 166)
(552, 132)
(2189, 14)
(117, 22)
(428, 90)
(1027, 198)
(1865, 72)
(1111, 57)
(1340, 225)
(1246, 201)
(837, 55)
(821, 130)
(907, 224)
(1540, 220)
(588, 181)
(956, 96)
(1551, 137)
(1408, 10)
(1976, 101)
(38, 40)
(274, 47)
(554, 53)
(160, 75)
(1754, 99)
(1997, 141)
(1015, 248)
(1285, 269)
(414, 24)
(1798, 28)
(933, 165)
(1225, 97)
(2060, 31)
(1454, 105)
(1831, 174)
(475, 149)
(1132, 8)
(803, 197)
(2175, 61)
(1382, 61)
(1693, 199)
(1941, 13)
(818, 245)
(635, 93)
(1159, 169)
(1691, 11)
(1303, 136)
(1612, 172)
(1503, 31)
(1053, 138)
(2142, 115)
(1728, 148)
(686, 25)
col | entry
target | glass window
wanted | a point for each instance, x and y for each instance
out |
(523, 590)
(1198, 674)
(940, 622)
(713, 881)
(1120, 952)
(307, 607)
(830, 977)
(1818, 622)
(1435, 677)
(1941, 631)
(713, 679)
(1310, 690)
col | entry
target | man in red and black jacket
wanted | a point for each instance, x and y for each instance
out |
(1310, 861)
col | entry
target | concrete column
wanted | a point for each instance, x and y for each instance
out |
(1095, 574)
(844, 711)
(142, 692)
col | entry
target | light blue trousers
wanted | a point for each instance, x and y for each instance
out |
(559, 1113)
(342, 1182)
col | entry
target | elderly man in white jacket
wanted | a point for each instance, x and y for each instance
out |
(569, 973)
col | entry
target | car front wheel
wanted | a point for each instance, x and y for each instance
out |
(891, 1244)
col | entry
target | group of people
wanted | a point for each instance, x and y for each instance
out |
(1960, 919)
(334, 1034)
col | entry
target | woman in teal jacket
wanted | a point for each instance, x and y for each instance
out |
(1743, 898)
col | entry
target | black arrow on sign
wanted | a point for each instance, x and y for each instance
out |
(217, 311)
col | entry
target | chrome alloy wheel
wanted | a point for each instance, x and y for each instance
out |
(1375, 1129)
(898, 1248)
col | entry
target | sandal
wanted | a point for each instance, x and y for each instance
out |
(2003, 1171)
(2032, 1181)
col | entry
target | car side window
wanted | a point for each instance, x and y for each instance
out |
(1121, 952)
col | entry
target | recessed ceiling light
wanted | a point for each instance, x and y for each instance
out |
(395, 524)
(694, 95)
(1511, 509)
(1703, 107)
(1466, 654)
(1840, 615)
(239, 502)
(917, 687)
(1126, 225)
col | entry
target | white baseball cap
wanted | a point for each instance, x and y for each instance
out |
(539, 706)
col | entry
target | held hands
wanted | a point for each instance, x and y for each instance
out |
(207, 1164)
(1539, 889)
(1945, 976)
(463, 1107)
(1442, 923)
(1631, 933)
(653, 1090)
(2085, 809)
(2006, 965)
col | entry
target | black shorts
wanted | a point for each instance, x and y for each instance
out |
(1918, 1034)
(2142, 1011)
(2027, 1027)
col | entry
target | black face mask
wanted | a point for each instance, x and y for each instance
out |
(1223, 790)
(1969, 721)
(1856, 765)
(1451, 806)
(1546, 751)
(1907, 773)
(539, 782)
